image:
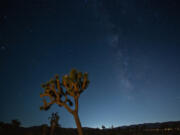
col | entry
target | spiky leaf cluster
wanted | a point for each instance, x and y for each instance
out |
(76, 82)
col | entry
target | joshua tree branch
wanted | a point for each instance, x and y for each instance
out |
(47, 105)
(66, 106)
(57, 95)
(44, 94)
(47, 95)
(66, 99)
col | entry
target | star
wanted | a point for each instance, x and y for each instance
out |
(3, 48)
(5, 17)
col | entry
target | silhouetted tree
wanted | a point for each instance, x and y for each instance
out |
(44, 129)
(54, 122)
(58, 92)
(1, 124)
(103, 127)
(15, 123)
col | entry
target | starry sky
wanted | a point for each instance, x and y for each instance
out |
(131, 50)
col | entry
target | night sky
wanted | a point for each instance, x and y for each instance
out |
(130, 48)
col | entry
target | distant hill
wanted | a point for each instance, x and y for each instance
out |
(165, 128)
(154, 125)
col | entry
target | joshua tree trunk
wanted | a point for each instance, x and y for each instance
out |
(52, 128)
(78, 123)
(44, 130)
(76, 116)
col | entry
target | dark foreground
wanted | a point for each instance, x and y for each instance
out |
(166, 128)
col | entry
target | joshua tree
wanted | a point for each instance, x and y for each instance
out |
(72, 85)
(44, 129)
(1, 124)
(103, 127)
(15, 123)
(54, 122)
